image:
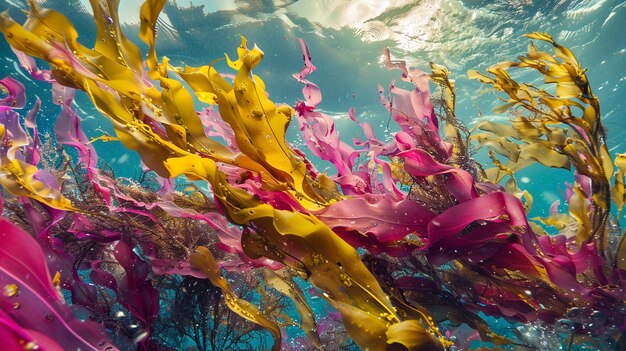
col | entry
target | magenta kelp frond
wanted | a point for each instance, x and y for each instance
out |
(15, 94)
(33, 312)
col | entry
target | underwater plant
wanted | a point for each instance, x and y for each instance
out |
(408, 248)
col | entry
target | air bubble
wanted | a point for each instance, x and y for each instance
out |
(140, 336)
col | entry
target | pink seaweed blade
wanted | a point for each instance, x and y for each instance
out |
(16, 95)
(31, 302)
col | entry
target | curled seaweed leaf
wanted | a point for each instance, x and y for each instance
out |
(412, 336)
(19, 177)
(16, 96)
(22, 179)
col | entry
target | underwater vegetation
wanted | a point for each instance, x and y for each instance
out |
(409, 244)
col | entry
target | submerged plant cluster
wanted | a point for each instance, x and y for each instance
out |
(411, 245)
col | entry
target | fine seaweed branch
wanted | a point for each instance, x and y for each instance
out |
(560, 129)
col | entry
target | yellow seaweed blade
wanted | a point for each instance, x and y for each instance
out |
(204, 260)
(281, 281)
(23, 40)
(440, 75)
(198, 80)
(265, 125)
(133, 133)
(618, 192)
(148, 15)
(501, 145)
(540, 36)
(259, 126)
(606, 163)
(110, 40)
(618, 195)
(17, 177)
(528, 129)
(412, 335)
(50, 24)
(368, 331)
(536, 55)
(559, 221)
(579, 208)
(620, 162)
(178, 106)
(504, 107)
(545, 154)
(473, 74)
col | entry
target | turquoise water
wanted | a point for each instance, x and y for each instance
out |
(346, 40)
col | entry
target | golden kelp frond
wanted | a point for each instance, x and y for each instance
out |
(148, 15)
(412, 336)
(18, 178)
(454, 131)
(560, 129)
(204, 260)
(282, 281)
(559, 221)
(500, 171)
(523, 142)
(617, 192)
(579, 207)
(258, 124)
(440, 75)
